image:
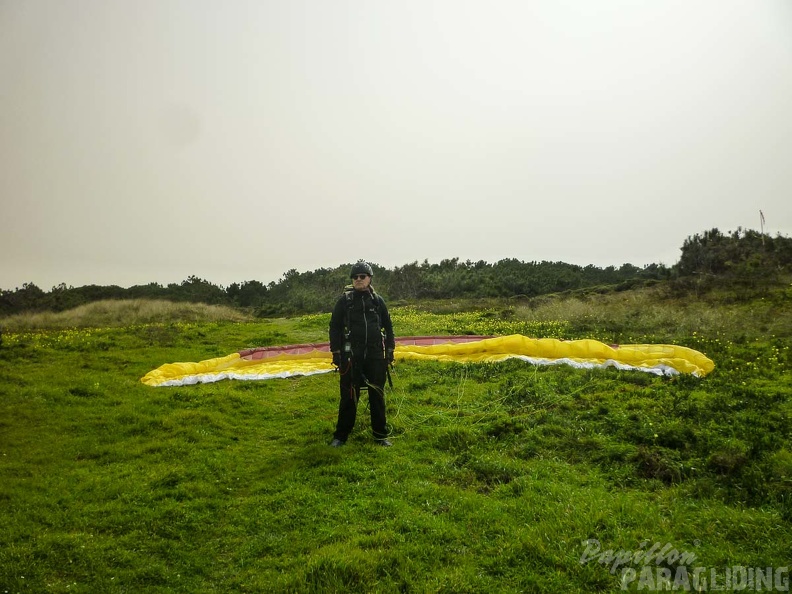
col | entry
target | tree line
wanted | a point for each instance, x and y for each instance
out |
(737, 256)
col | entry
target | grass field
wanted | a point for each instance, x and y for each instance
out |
(501, 476)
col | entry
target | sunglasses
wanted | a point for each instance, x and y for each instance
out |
(360, 276)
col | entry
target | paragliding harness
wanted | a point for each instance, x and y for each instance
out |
(359, 379)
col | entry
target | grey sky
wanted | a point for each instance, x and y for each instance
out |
(146, 141)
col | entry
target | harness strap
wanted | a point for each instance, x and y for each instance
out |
(349, 295)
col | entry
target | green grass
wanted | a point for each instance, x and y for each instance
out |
(498, 475)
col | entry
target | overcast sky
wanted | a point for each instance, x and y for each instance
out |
(150, 140)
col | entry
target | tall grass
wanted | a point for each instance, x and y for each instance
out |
(119, 313)
(629, 315)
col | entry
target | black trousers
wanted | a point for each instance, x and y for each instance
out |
(370, 374)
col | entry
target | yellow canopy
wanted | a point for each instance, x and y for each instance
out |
(274, 362)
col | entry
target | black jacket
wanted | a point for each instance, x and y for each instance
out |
(368, 317)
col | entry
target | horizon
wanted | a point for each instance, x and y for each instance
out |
(342, 265)
(377, 264)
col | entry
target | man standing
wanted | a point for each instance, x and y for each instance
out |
(362, 343)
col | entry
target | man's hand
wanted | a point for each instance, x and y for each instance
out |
(389, 356)
(337, 359)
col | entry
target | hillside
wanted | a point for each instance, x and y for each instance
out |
(503, 477)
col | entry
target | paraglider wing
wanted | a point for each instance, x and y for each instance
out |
(310, 359)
